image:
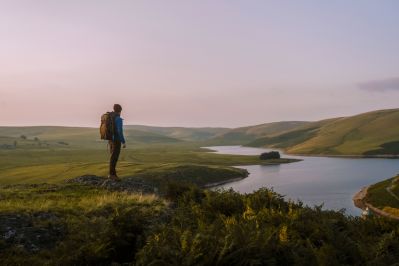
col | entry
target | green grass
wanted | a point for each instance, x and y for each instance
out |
(72, 224)
(379, 197)
(65, 198)
(200, 175)
(52, 166)
(243, 135)
(81, 225)
(86, 137)
(182, 133)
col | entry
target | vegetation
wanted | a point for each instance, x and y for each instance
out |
(270, 155)
(385, 195)
(390, 148)
(73, 225)
(54, 165)
(47, 221)
(90, 226)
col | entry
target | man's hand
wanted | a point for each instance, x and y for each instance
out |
(124, 145)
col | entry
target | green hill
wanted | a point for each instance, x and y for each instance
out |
(372, 133)
(384, 195)
(87, 137)
(243, 135)
(70, 137)
(182, 133)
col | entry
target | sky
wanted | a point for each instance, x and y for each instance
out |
(196, 63)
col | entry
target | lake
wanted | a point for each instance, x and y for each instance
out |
(315, 180)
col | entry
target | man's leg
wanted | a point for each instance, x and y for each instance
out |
(115, 149)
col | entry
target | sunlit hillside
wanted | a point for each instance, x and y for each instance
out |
(372, 133)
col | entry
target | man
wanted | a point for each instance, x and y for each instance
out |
(117, 141)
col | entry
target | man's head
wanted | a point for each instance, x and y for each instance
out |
(117, 108)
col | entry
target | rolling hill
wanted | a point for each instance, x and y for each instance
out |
(87, 137)
(371, 133)
(181, 133)
(247, 134)
(71, 137)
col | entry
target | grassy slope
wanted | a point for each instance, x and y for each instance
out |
(361, 134)
(243, 135)
(75, 137)
(182, 133)
(378, 196)
(80, 225)
(90, 225)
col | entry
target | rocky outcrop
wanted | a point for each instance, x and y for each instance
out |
(31, 232)
(127, 184)
(359, 198)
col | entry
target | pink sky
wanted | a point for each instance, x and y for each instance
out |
(195, 63)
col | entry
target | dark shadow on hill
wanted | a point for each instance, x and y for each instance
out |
(388, 148)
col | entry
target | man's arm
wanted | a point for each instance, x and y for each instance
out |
(119, 128)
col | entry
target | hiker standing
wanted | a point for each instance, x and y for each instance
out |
(112, 130)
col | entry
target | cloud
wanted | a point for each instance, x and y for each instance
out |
(382, 85)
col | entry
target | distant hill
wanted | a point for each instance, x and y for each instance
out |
(70, 137)
(372, 133)
(87, 137)
(181, 133)
(243, 135)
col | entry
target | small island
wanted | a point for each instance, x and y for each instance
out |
(270, 155)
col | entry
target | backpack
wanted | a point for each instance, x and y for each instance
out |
(107, 127)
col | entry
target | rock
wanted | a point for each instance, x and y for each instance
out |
(21, 230)
(92, 180)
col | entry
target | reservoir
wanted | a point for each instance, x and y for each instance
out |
(315, 180)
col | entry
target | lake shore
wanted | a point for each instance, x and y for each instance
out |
(348, 156)
(264, 163)
(216, 184)
(310, 179)
(359, 200)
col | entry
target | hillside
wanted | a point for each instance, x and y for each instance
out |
(87, 137)
(384, 195)
(85, 224)
(70, 137)
(182, 133)
(372, 133)
(243, 135)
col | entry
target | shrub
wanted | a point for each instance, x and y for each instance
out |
(270, 155)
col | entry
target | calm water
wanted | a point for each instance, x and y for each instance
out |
(315, 180)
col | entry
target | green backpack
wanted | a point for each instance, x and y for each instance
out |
(107, 127)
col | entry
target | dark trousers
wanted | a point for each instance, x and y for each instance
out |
(115, 150)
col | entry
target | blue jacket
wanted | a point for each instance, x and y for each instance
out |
(119, 129)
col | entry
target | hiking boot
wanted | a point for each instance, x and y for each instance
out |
(114, 178)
